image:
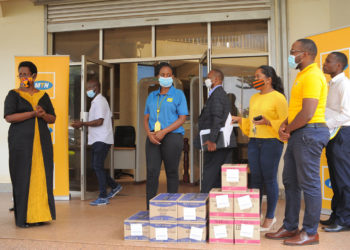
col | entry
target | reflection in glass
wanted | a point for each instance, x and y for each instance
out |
(131, 42)
(181, 39)
(239, 37)
(77, 43)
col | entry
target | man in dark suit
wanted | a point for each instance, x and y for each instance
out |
(213, 117)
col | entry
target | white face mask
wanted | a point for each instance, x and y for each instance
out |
(208, 83)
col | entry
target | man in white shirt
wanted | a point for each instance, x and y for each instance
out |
(100, 136)
(338, 148)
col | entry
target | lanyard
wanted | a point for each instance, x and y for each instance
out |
(159, 104)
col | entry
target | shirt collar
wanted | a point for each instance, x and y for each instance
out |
(338, 77)
(213, 89)
(170, 92)
(97, 97)
(312, 65)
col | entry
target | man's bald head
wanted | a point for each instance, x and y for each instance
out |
(218, 73)
(94, 83)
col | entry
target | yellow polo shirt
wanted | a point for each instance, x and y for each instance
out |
(273, 106)
(309, 83)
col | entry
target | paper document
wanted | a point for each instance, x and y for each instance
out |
(224, 136)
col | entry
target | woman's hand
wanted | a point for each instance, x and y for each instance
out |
(262, 121)
(236, 119)
(160, 135)
(40, 112)
(152, 137)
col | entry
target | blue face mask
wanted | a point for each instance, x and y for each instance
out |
(346, 67)
(165, 81)
(90, 93)
(291, 62)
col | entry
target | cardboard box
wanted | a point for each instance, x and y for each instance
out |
(195, 232)
(234, 177)
(221, 231)
(247, 231)
(136, 227)
(246, 204)
(164, 206)
(163, 231)
(192, 207)
(220, 204)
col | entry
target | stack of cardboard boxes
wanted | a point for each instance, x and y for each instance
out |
(233, 214)
(234, 210)
(172, 218)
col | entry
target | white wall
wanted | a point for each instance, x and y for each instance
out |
(22, 33)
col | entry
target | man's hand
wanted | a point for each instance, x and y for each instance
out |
(262, 121)
(152, 137)
(159, 135)
(77, 124)
(211, 146)
(284, 132)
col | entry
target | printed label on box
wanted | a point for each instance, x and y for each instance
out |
(189, 213)
(161, 234)
(220, 232)
(222, 201)
(136, 229)
(196, 233)
(232, 175)
(247, 231)
(244, 202)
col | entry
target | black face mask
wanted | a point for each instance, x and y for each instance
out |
(258, 84)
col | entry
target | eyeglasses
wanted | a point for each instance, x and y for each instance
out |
(292, 51)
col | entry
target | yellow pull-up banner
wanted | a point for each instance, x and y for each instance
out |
(53, 78)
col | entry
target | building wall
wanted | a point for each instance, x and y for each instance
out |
(22, 33)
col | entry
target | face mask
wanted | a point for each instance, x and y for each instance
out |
(346, 67)
(165, 81)
(258, 84)
(90, 93)
(25, 81)
(208, 83)
(291, 61)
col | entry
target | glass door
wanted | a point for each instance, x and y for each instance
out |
(91, 68)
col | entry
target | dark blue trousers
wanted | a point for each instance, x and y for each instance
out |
(302, 173)
(263, 158)
(338, 158)
(99, 154)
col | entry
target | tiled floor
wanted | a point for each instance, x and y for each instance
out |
(80, 226)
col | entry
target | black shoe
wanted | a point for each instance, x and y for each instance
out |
(336, 228)
(25, 225)
(328, 222)
(11, 209)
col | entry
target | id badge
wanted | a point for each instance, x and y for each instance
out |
(157, 126)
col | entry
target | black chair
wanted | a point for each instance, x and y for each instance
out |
(124, 137)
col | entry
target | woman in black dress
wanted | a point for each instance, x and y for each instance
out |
(30, 147)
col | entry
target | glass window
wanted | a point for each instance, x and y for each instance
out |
(239, 37)
(77, 43)
(182, 39)
(134, 42)
(239, 73)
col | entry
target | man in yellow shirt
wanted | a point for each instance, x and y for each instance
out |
(307, 134)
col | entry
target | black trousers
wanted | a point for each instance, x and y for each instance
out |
(212, 168)
(169, 151)
(338, 159)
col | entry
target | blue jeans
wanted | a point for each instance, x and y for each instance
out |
(263, 158)
(99, 154)
(302, 173)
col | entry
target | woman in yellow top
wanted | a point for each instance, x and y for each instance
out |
(267, 110)
(29, 110)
